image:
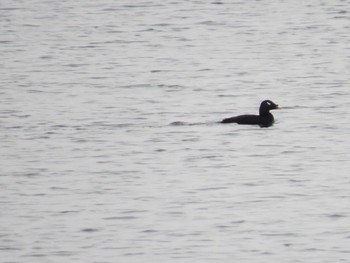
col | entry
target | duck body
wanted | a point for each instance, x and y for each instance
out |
(249, 119)
(264, 119)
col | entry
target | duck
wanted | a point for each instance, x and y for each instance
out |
(264, 119)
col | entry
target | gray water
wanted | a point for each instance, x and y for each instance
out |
(111, 150)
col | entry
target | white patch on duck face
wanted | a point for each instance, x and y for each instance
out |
(268, 103)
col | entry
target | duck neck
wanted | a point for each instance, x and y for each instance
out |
(263, 112)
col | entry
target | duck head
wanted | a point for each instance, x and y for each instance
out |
(266, 106)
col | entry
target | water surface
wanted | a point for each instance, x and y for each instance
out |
(111, 148)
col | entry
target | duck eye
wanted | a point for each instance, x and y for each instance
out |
(269, 103)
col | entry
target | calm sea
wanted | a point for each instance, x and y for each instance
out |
(111, 150)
